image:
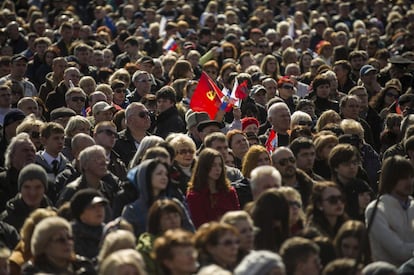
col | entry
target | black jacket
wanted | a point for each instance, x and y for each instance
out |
(80, 266)
(87, 239)
(56, 99)
(125, 146)
(8, 186)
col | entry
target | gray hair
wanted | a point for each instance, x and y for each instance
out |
(15, 141)
(258, 173)
(87, 153)
(74, 123)
(146, 143)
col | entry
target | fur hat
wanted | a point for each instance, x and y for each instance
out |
(44, 231)
(31, 172)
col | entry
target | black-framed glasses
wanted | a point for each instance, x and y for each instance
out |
(78, 99)
(284, 162)
(335, 199)
(144, 114)
(108, 132)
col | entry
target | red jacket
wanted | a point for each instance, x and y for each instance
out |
(205, 207)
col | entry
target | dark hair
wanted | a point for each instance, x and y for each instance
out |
(299, 144)
(341, 267)
(393, 170)
(271, 236)
(199, 178)
(167, 92)
(212, 137)
(342, 153)
(158, 208)
(320, 80)
(296, 250)
(51, 128)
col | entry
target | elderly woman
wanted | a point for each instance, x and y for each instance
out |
(184, 160)
(52, 249)
(300, 118)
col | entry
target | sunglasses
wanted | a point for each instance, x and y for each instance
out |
(34, 134)
(78, 99)
(144, 80)
(229, 242)
(335, 199)
(285, 161)
(186, 151)
(287, 87)
(295, 204)
(120, 91)
(63, 240)
(143, 114)
(108, 132)
(389, 94)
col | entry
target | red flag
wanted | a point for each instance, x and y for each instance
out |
(206, 97)
(271, 142)
(398, 107)
(242, 91)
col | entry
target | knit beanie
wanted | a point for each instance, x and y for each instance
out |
(44, 231)
(246, 121)
(32, 172)
(82, 199)
(259, 262)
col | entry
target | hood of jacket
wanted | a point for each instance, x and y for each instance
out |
(137, 176)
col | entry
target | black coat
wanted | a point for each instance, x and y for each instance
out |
(168, 122)
(87, 239)
(125, 146)
(80, 266)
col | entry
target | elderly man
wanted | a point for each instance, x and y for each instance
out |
(284, 161)
(142, 82)
(20, 152)
(137, 122)
(93, 165)
(56, 99)
(279, 117)
(75, 99)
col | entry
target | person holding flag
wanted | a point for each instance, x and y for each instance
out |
(278, 116)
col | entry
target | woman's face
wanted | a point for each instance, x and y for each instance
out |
(32, 192)
(215, 170)
(185, 155)
(252, 128)
(332, 204)
(246, 234)
(170, 220)
(60, 246)
(226, 250)
(271, 66)
(350, 247)
(323, 90)
(263, 159)
(159, 178)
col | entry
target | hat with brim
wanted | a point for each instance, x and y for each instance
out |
(202, 125)
(366, 69)
(101, 106)
(61, 113)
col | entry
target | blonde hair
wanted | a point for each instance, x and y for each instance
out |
(352, 127)
(130, 257)
(114, 241)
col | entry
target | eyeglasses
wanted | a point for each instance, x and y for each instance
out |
(335, 199)
(34, 134)
(229, 242)
(185, 151)
(108, 132)
(78, 99)
(305, 123)
(390, 94)
(287, 87)
(63, 240)
(295, 203)
(143, 114)
(285, 161)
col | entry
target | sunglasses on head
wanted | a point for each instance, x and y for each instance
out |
(285, 161)
(335, 199)
(108, 132)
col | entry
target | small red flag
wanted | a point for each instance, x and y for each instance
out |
(271, 142)
(206, 96)
(242, 91)
(398, 107)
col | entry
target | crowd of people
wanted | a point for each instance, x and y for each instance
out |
(109, 167)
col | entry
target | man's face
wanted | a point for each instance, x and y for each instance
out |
(59, 67)
(220, 146)
(23, 155)
(72, 75)
(83, 57)
(76, 102)
(32, 192)
(351, 109)
(54, 143)
(97, 164)
(271, 87)
(280, 119)
(305, 159)
(106, 137)
(103, 116)
(357, 63)
(18, 68)
(143, 84)
(164, 104)
(29, 107)
(208, 130)
(285, 163)
(139, 118)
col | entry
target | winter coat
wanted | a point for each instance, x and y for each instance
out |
(168, 122)
(86, 239)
